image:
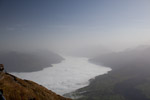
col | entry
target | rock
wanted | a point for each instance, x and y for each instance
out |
(1, 67)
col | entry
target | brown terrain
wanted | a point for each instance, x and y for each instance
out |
(17, 89)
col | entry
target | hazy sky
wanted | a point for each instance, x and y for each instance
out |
(115, 24)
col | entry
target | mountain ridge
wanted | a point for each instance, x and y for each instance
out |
(16, 61)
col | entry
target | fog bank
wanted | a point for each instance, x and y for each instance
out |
(71, 74)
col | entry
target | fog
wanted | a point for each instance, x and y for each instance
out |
(71, 74)
(96, 37)
(77, 28)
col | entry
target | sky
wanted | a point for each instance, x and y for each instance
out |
(72, 24)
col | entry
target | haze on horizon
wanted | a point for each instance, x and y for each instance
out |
(74, 24)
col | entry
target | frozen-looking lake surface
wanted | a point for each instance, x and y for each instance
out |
(69, 75)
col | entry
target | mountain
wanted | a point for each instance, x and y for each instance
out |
(28, 61)
(138, 57)
(17, 89)
(128, 80)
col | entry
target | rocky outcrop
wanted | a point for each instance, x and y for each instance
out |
(1, 67)
(17, 89)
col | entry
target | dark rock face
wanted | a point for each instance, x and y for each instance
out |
(18, 89)
(1, 67)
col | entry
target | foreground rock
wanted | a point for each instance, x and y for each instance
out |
(18, 89)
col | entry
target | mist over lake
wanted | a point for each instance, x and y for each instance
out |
(69, 75)
(79, 49)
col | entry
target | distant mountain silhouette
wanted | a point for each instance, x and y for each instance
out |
(29, 61)
(138, 57)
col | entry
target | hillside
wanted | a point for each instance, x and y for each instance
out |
(128, 80)
(17, 89)
(15, 61)
(137, 57)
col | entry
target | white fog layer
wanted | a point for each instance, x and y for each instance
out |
(69, 75)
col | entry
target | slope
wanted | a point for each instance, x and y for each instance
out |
(18, 89)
